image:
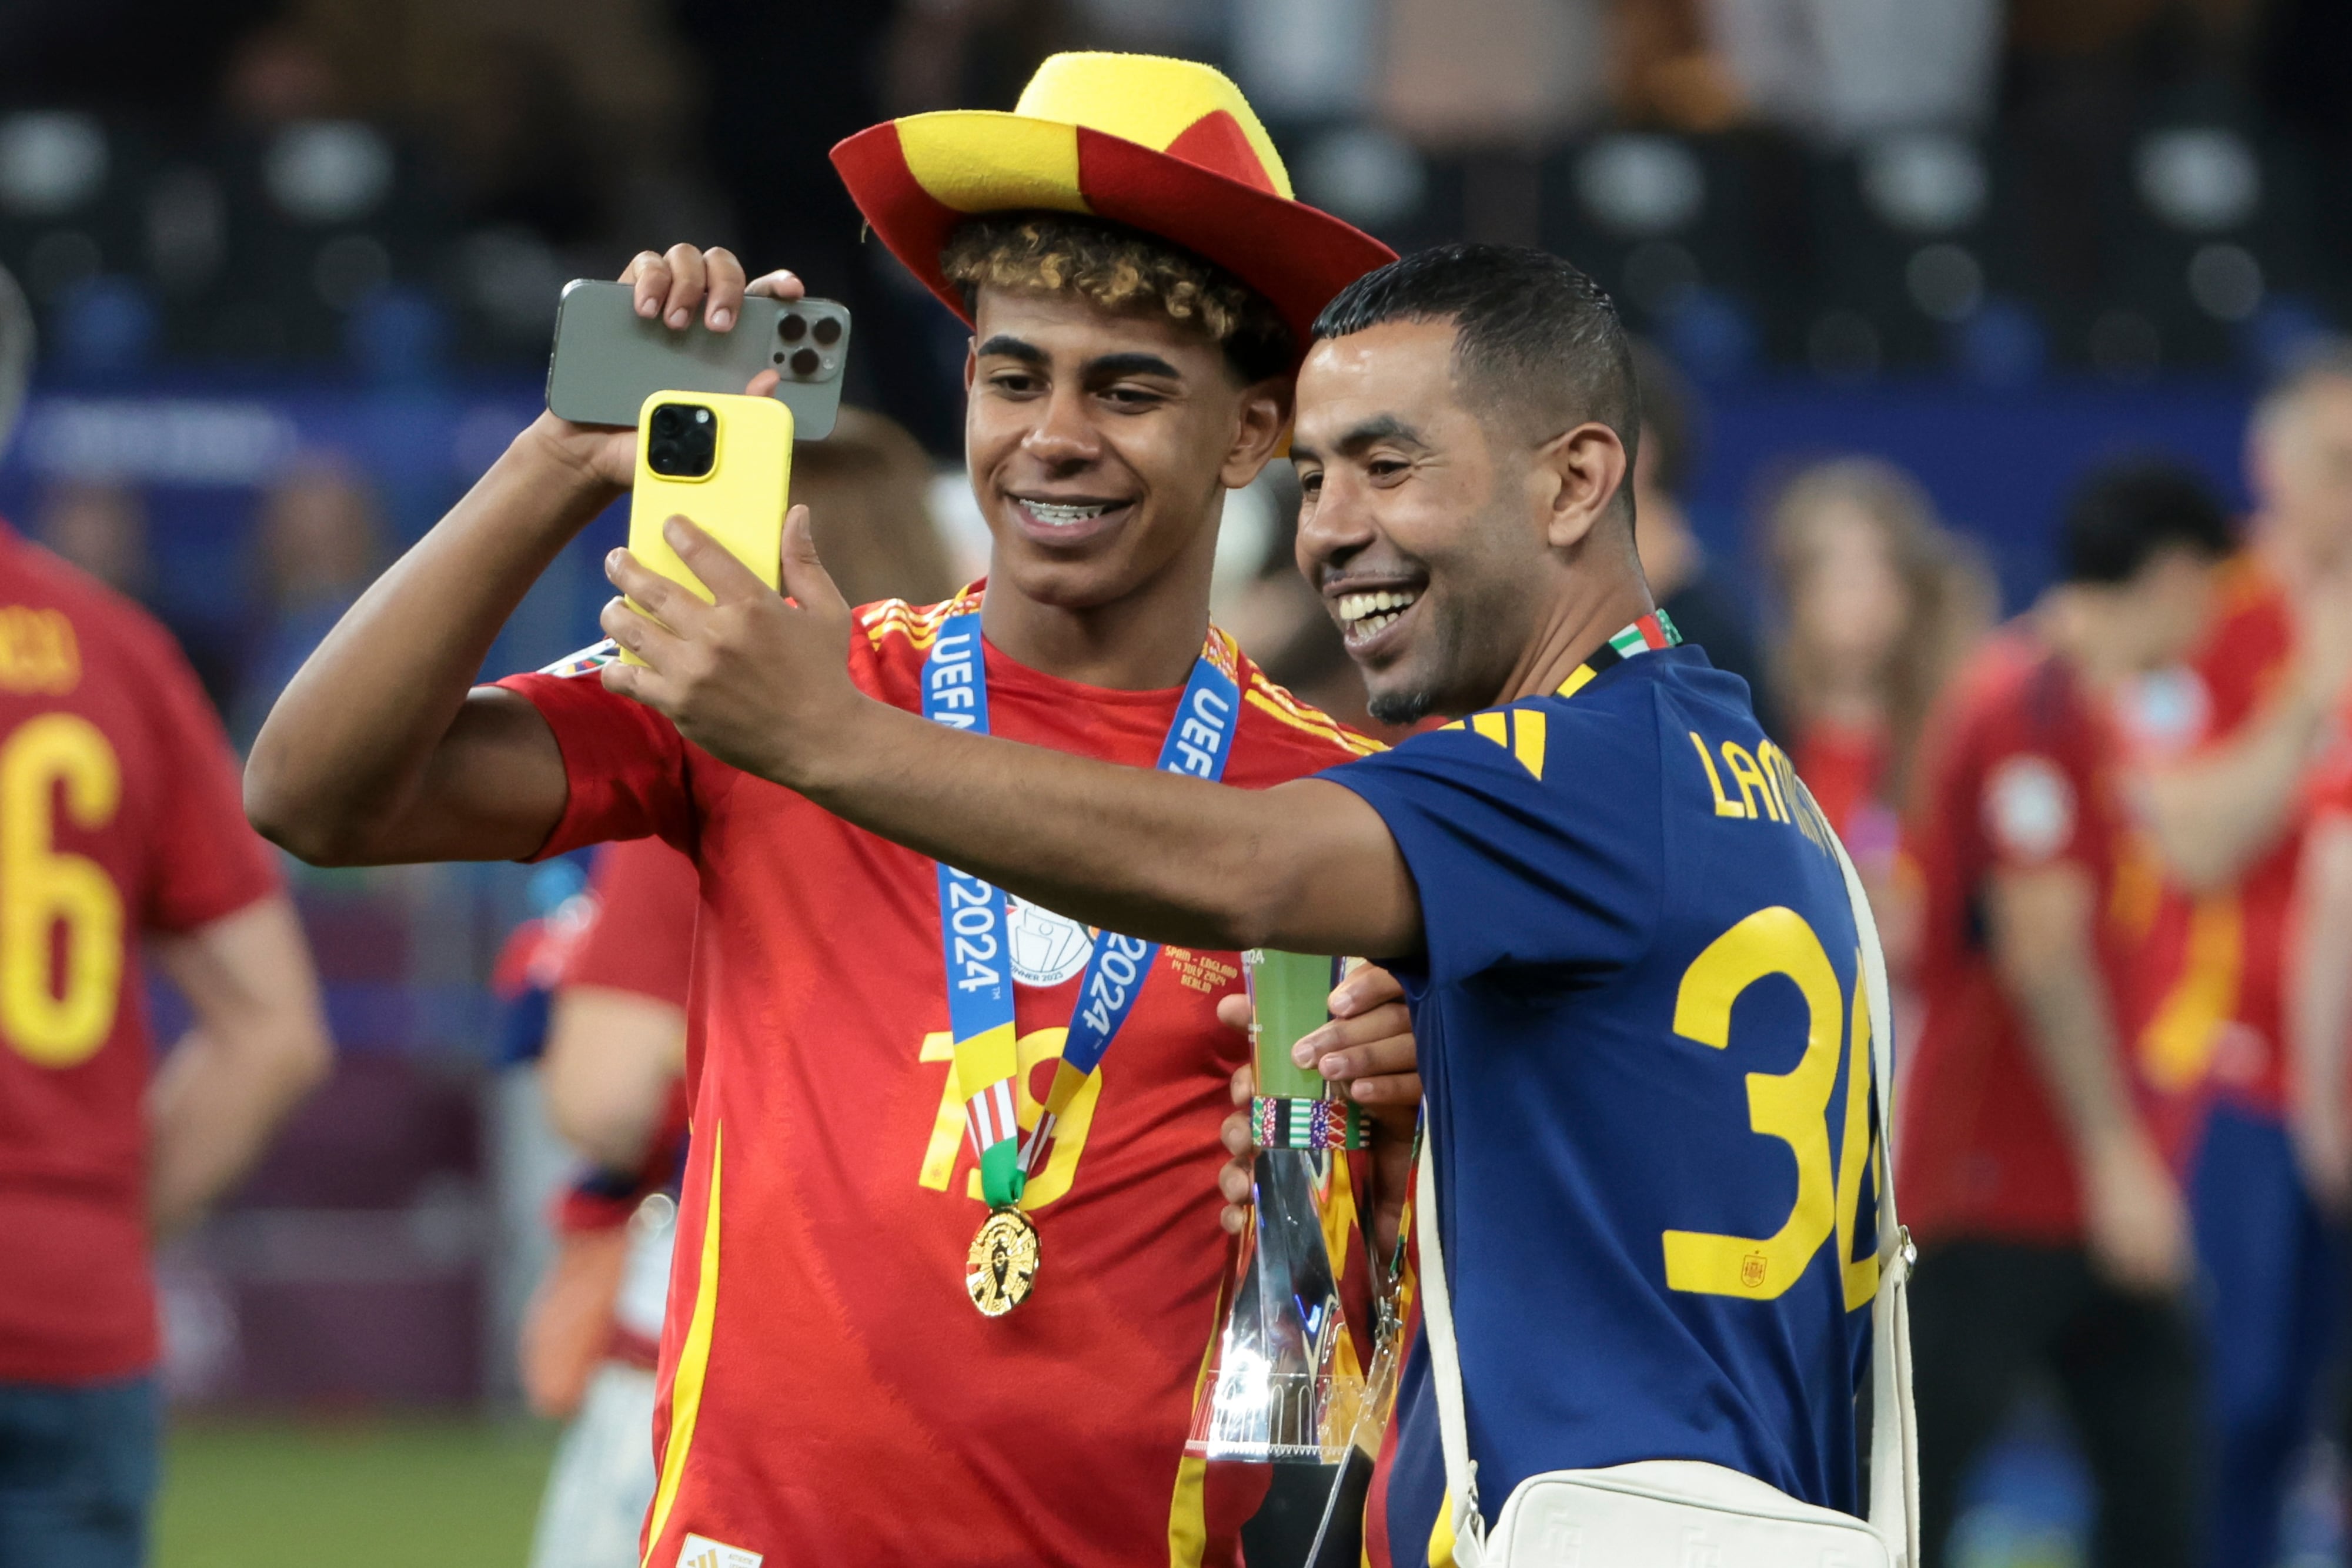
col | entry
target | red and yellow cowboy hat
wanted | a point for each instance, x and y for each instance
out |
(1170, 147)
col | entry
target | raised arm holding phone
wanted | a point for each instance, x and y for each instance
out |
(1575, 882)
(854, 1126)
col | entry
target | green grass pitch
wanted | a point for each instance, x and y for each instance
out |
(359, 1492)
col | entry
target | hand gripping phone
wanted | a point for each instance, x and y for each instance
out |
(723, 461)
(607, 357)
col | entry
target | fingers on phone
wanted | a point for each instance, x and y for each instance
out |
(650, 275)
(780, 284)
(686, 285)
(723, 277)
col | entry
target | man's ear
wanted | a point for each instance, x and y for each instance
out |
(1261, 431)
(970, 364)
(1577, 477)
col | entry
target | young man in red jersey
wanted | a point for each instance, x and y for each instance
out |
(121, 843)
(2227, 739)
(2051, 1230)
(830, 1387)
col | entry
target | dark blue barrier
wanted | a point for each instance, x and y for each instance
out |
(1999, 462)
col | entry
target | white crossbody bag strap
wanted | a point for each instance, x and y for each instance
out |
(1895, 1430)
(1446, 1361)
(1894, 1443)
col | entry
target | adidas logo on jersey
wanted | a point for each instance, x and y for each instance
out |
(701, 1552)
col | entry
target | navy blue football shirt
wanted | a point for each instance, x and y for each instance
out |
(1647, 1059)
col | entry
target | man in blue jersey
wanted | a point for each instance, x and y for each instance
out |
(1620, 923)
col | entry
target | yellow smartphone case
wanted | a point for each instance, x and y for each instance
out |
(739, 502)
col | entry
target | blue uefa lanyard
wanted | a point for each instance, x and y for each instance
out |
(973, 919)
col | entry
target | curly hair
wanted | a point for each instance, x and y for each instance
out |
(1122, 269)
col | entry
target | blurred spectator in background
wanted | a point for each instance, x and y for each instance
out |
(318, 543)
(616, 962)
(1670, 68)
(2051, 1232)
(1503, 76)
(614, 1056)
(278, 75)
(101, 528)
(1705, 605)
(124, 841)
(866, 487)
(2318, 1012)
(1843, 69)
(2227, 740)
(1876, 604)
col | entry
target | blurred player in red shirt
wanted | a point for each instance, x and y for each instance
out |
(2228, 738)
(2319, 999)
(2051, 1233)
(830, 1388)
(612, 1074)
(122, 842)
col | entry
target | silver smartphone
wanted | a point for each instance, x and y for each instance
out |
(608, 358)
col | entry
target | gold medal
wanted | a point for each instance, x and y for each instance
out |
(1002, 1263)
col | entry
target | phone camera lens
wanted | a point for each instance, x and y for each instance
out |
(827, 332)
(805, 362)
(678, 447)
(792, 328)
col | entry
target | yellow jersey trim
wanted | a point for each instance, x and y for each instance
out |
(693, 1360)
(1188, 1508)
(1277, 703)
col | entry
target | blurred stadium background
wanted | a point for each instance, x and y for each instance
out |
(295, 266)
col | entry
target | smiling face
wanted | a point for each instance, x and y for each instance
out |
(1420, 526)
(1101, 444)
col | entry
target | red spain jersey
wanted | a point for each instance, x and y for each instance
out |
(828, 1389)
(119, 814)
(2018, 773)
(2214, 965)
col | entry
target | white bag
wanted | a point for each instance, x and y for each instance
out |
(1684, 1513)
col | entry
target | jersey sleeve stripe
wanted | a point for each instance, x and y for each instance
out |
(1271, 699)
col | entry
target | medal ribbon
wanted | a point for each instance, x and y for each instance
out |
(974, 920)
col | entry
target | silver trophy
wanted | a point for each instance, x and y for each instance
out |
(1286, 1385)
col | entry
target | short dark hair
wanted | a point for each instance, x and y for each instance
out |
(1533, 333)
(2126, 512)
(1122, 268)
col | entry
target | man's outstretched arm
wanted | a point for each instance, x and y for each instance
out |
(763, 685)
